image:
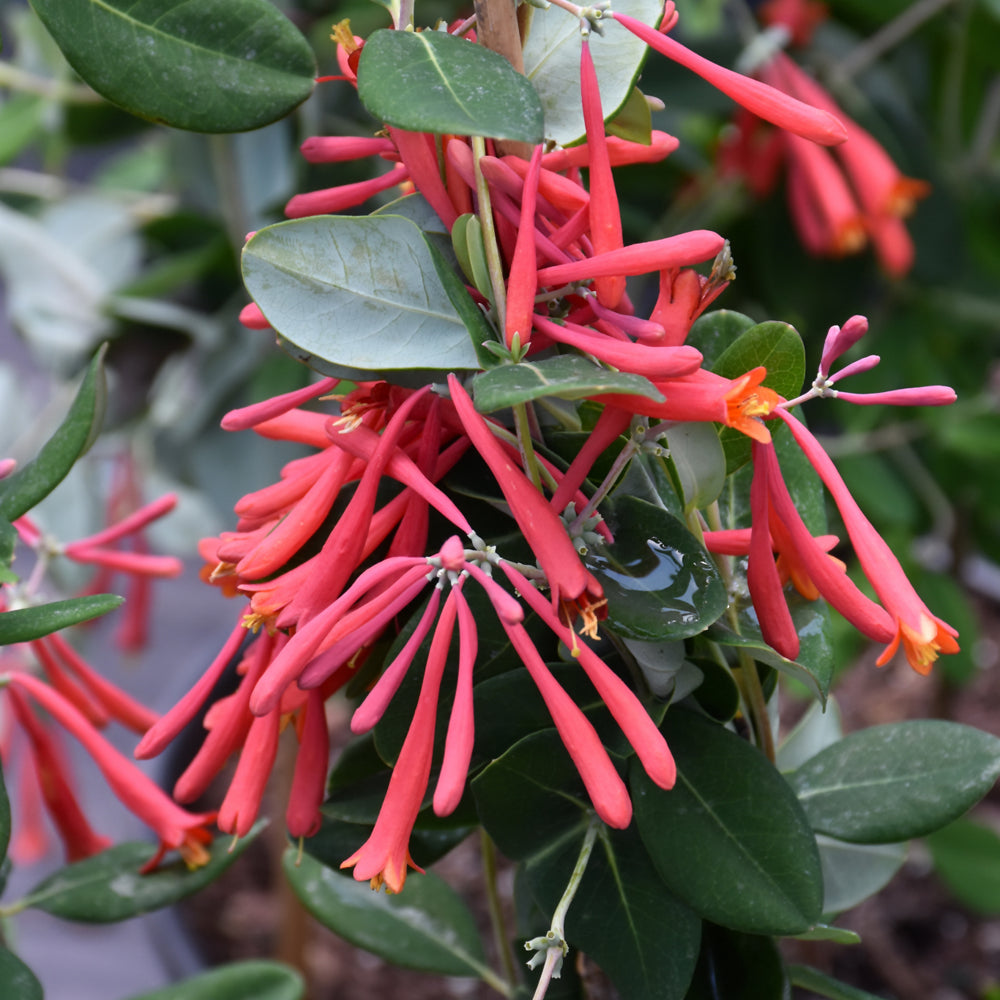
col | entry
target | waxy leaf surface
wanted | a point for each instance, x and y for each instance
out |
(17, 981)
(25, 624)
(729, 839)
(108, 887)
(735, 966)
(429, 81)
(565, 377)
(426, 927)
(894, 782)
(32, 482)
(217, 66)
(853, 872)
(254, 980)
(659, 581)
(552, 64)
(359, 293)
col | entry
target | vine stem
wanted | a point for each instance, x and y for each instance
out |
(493, 263)
(554, 941)
(502, 938)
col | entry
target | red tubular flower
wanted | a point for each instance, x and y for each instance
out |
(522, 281)
(621, 152)
(384, 857)
(764, 101)
(638, 258)
(605, 216)
(923, 635)
(420, 160)
(337, 199)
(52, 770)
(176, 828)
(242, 802)
(309, 780)
(541, 526)
(249, 416)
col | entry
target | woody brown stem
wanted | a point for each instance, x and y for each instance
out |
(497, 29)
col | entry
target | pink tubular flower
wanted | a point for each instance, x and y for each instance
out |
(383, 859)
(605, 216)
(549, 542)
(309, 780)
(176, 828)
(766, 102)
(923, 635)
(337, 199)
(521, 284)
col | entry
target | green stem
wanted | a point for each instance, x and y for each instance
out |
(525, 445)
(500, 933)
(755, 703)
(493, 262)
(554, 942)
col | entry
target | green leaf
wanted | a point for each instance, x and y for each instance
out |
(824, 985)
(779, 348)
(31, 483)
(659, 581)
(967, 857)
(538, 774)
(619, 914)
(358, 293)
(715, 331)
(223, 66)
(552, 64)
(430, 81)
(729, 839)
(252, 980)
(22, 119)
(17, 981)
(108, 887)
(818, 728)
(4, 818)
(569, 376)
(894, 782)
(425, 927)
(8, 543)
(853, 872)
(699, 462)
(734, 966)
(634, 120)
(814, 666)
(25, 624)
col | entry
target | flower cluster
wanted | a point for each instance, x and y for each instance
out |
(361, 545)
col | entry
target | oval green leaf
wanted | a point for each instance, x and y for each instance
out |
(619, 914)
(425, 927)
(569, 376)
(894, 782)
(31, 483)
(108, 887)
(552, 64)
(967, 857)
(430, 81)
(713, 332)
(359, 293)
(853, 872)
(734, 966)
(17, 981)
(25, 624)
(659, 581)
(221, 66)
(730, 839)
(255, 980)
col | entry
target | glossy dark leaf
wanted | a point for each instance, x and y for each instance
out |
(108, 887)
(32, 482)
(715, 331)
(224, 66)
(619, 914)
(735, 966)
(826, 986)
(255, 980)
(25, 624)
(730, 839)
(659, 581)
(894, 782)
(426, 926)
(430, 81)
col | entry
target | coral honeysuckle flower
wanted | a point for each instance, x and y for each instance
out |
(766, 102)
(522, 281)
(922, 634)
(739, 403)
(176, 828)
